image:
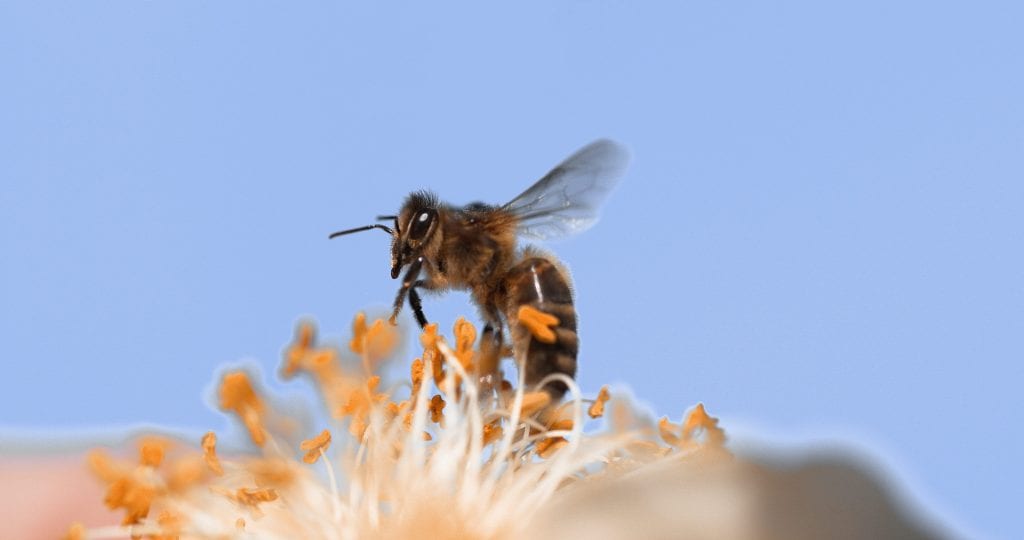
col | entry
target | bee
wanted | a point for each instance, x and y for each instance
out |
(474, 248)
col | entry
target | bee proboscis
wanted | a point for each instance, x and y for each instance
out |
(474, 248)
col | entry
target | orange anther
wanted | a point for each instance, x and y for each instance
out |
(316, 446)
(238, 396)
(437, 409)
(533, 402)
(596, 409)
(210, 453)
(550, 445)
(151, 451)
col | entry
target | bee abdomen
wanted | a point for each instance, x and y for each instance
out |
(539, 283)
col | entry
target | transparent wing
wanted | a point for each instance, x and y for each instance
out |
(566, 200)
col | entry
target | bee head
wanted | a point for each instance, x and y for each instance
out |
(415, 231)
(416, 227)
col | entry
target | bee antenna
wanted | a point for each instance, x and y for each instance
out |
(386, 218)
(361, 229)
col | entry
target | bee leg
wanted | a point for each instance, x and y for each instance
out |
(491, 342)
(414, 303)
(407, 283)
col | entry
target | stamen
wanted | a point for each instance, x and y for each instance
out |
(133, 495)
(170, 523)
(209, 445)
(249, 498)
(151, 451)
(596, 409)
(428, 338)
(437, 409)
(316, 446)
(252, 497)
(546, 447)
(273, 472)
(492, 432)
(465, 336)
(102, 466)
(297, 352)
(417, 375)
(699, 419)
(238, 396)
(563, 424)
(491, 452)
(376, 341)
(668, 431)
(185, 473)
(533, 402)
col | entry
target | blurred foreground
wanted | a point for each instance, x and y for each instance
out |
(818, 497)
(455, 451)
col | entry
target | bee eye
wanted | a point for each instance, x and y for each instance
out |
(421, 224)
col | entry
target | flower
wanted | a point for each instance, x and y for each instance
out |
(453, 455)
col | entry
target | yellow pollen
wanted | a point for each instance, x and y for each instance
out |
(165, 485)
(492, 432)
(596, 409)
(255, 496)
(437, 409)
(392, 409)
(538, 323)
(185, 472)
(134, 496)
(248, 497)
(561, 424)
(699, 419)
(668, 432)
(376, 341)
(465, 335)
(359, 330)
(272, 472)
(533, 402)
(417, 375)
(315, 446)
(170, 523)
(102, 466)
(547, 447)
(238, 396)
(429, 339)
(296, 353)
(357, 427)
(210, 453)
(151, 451)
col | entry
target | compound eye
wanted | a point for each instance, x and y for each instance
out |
(420, 224)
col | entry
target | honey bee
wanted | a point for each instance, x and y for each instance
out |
(474, 248)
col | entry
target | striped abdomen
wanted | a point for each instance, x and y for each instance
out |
(540, 284)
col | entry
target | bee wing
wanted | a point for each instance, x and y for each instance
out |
(566, 200)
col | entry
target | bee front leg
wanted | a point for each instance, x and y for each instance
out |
(415, 304)
(408, 281)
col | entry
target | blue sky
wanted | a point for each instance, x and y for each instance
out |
(819, 236)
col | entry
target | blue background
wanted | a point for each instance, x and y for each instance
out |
(819, 236)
